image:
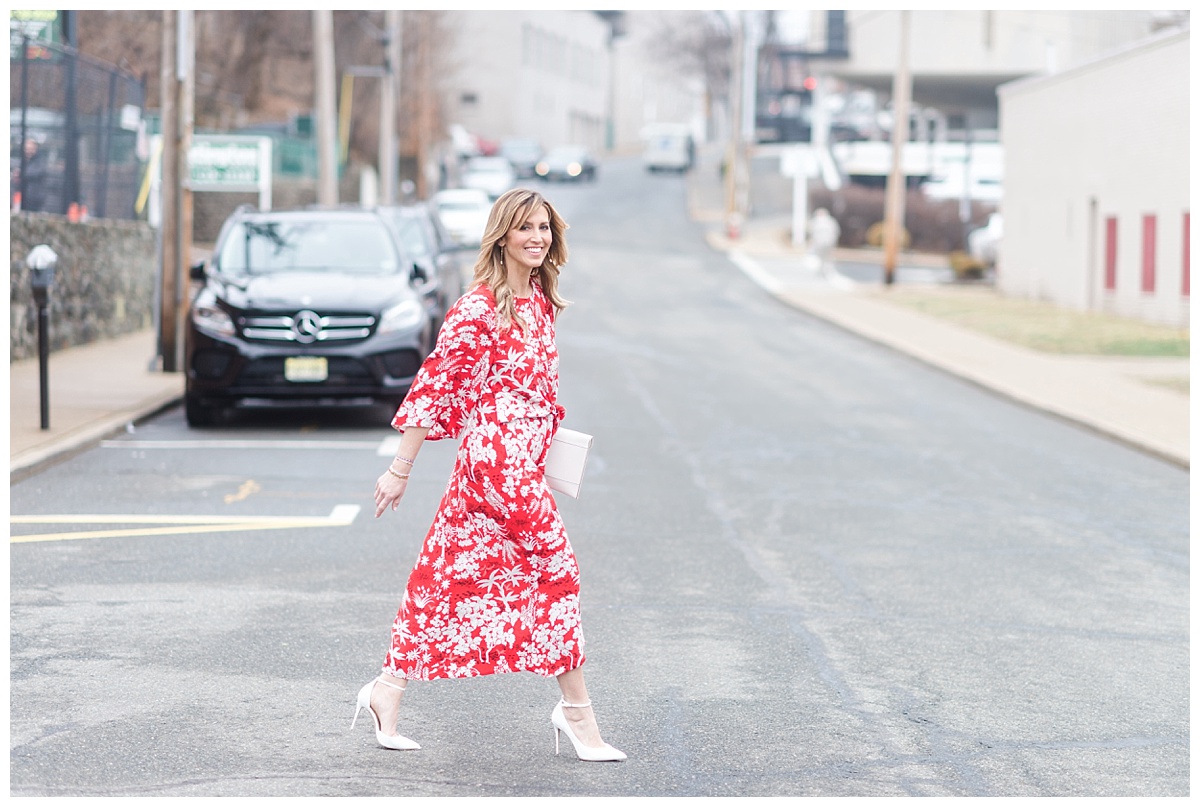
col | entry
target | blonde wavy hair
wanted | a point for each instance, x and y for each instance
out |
(512, 210)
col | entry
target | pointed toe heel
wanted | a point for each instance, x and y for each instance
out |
(587, 753)
(393, 742)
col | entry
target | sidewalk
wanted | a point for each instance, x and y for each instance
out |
(94, 391)
(1114, 396)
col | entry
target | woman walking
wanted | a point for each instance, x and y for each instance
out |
(496, 587)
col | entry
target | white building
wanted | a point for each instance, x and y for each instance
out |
(545, 75)
(1096, 188)
(646, 92)
(566, 77)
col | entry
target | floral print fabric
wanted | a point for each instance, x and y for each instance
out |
(496, 586)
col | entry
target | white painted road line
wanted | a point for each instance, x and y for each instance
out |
(389, 446)
(755, 272)
(342, 515)
(307, 445)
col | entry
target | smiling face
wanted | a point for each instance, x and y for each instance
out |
(527, 243)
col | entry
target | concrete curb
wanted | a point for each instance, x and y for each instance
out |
(35, 460)
(963, 365)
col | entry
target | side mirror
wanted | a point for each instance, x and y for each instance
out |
(196, 272)
(418, 274)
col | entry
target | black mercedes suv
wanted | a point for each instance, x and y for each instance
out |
(306, 308)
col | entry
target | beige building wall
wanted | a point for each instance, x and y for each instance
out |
(1100, 150)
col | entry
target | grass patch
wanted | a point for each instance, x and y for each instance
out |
(1043, 326)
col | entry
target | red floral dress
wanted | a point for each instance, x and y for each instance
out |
(496, 586)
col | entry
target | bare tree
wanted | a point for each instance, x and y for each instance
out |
(424, 93)
(131, 40)
(256, 67)
(694, 44)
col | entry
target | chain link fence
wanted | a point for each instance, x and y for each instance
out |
(76, 136)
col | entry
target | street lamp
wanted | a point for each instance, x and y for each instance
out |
(41, 262)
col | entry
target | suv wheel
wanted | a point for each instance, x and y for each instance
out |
(199, 413)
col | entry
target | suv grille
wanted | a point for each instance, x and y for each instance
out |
(307, 327)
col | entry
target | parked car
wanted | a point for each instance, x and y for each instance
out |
(567, 163)
(524, 154)
(304, 307)
(492, 175)
(446, 263)
(464, 213)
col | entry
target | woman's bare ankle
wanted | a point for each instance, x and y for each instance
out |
(385, 700)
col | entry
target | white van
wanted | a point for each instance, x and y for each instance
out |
(669, 147)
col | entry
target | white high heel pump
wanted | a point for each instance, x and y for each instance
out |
(394, 742)
(588, 753)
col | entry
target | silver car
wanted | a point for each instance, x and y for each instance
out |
(492, 175)
(464, 213)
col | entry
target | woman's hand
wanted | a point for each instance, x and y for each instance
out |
(392, 483)
(389, 490)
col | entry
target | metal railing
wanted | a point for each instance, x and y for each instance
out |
(76, 138)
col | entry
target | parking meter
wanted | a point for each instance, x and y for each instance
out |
(41, 262)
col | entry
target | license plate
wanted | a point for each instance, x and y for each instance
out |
(306, 368)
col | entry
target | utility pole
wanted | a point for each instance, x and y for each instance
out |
(737, 179)
(168, 342)
(897, 180)
(751, 35)
(389, 96)
(327, 166)
(186, 75)
(733, 148)
(422, 104)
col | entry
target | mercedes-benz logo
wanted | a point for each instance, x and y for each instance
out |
(307, 326)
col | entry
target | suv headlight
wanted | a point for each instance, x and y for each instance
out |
(402, 317)
(212, 319)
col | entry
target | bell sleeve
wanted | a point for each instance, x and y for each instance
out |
(448, 385)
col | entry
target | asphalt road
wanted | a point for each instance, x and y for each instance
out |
(811, 567)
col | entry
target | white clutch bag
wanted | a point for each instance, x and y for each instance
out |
(565, 461)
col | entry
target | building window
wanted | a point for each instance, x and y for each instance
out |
(1187, 254)
(1149, 232)
(1110, 253)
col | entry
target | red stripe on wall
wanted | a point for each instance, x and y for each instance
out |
(1149, 233)
(1187, 254)
(1110, 253)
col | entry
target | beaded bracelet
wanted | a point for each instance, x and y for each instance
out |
(398, 476)
(405, 461)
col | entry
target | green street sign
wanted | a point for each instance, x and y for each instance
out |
(231, 163)
(41, 26)
(216, 163)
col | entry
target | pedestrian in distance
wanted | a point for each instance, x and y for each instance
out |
(823, 234)
(495, 588)
(32, 177)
